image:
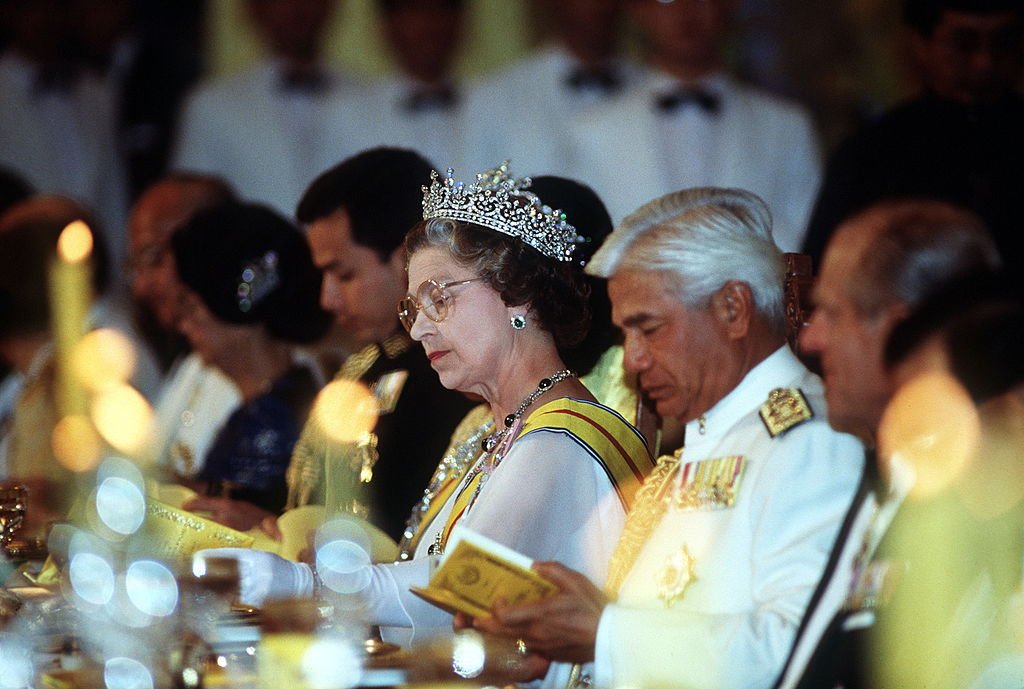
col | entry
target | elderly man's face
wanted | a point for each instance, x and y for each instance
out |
(850, 343)
(676, 351)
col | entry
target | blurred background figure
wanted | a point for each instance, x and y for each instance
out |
(249, 292)
(421, 106)
(57, 122)
(12, 190)
(528, 111)
(194, 399)
(959, 140)
(953, 554)
(258, 129)
(28, 240)
(147, 55)
(691, 124)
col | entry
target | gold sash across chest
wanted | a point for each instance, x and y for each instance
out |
(609, 439)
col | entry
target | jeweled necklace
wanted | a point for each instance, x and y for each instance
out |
(492, 441)
(494, 446)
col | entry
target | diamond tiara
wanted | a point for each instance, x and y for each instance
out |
(502, 203)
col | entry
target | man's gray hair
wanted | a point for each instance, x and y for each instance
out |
(916, 246)
(702, 238)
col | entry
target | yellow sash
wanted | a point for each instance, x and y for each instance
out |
(611, 441)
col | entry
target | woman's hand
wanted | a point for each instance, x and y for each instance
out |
(562, 627)
(237, 514)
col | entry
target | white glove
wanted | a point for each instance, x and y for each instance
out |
(264, 576)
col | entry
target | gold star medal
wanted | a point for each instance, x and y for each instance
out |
(676, 577)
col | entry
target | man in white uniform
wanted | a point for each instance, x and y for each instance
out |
(690, 124)
(421, 106)
(57, 123)
(259, 129)
(528, 111)
(729, 536)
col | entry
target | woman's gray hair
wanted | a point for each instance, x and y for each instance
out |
(703, 238)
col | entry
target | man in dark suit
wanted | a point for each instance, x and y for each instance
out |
(878, 267)
(960, 140)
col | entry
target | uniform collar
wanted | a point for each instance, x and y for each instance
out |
(780, 369)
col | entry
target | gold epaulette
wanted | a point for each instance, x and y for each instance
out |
(785, 408)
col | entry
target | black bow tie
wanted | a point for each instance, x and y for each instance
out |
(433, 99)
(605, 80)
(671, 101)
(308, 82)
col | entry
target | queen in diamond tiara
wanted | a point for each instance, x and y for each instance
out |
(500, 202)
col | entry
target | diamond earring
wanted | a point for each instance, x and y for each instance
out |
(518, 321)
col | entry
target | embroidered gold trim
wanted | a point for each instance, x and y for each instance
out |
(648, 508)
(785, 408)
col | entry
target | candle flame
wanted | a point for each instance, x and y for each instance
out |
(75, 242)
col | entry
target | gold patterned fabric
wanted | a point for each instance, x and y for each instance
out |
(648, 509)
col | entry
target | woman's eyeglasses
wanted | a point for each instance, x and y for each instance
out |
(433, 299)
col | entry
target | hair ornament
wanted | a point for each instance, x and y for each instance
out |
(502, 203)
(258, 279)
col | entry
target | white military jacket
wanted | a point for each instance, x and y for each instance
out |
(738, 533)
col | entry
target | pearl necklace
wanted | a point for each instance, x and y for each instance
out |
(492, 441)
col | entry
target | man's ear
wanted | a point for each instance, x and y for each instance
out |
(733, 308)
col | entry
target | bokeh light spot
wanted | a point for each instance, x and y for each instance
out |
(346, 410)
(932, 425)
(331, 663)
(103, 358)
(126, 673)
(123, 418)
(92, 578)
(468, 653)
(121, 505)
(16, 669)
(151, 588)
(76, 444)
(343, 566)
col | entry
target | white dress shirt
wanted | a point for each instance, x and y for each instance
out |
(257, 133)
(63, 141)
(632, 151)
(527, 113)
(391, 113)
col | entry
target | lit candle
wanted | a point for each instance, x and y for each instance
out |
(70, 297)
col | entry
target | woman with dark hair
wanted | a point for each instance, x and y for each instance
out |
(250, 293)
(495, 292)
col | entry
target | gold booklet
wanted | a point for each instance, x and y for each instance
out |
(173, 533)
(476, 572)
